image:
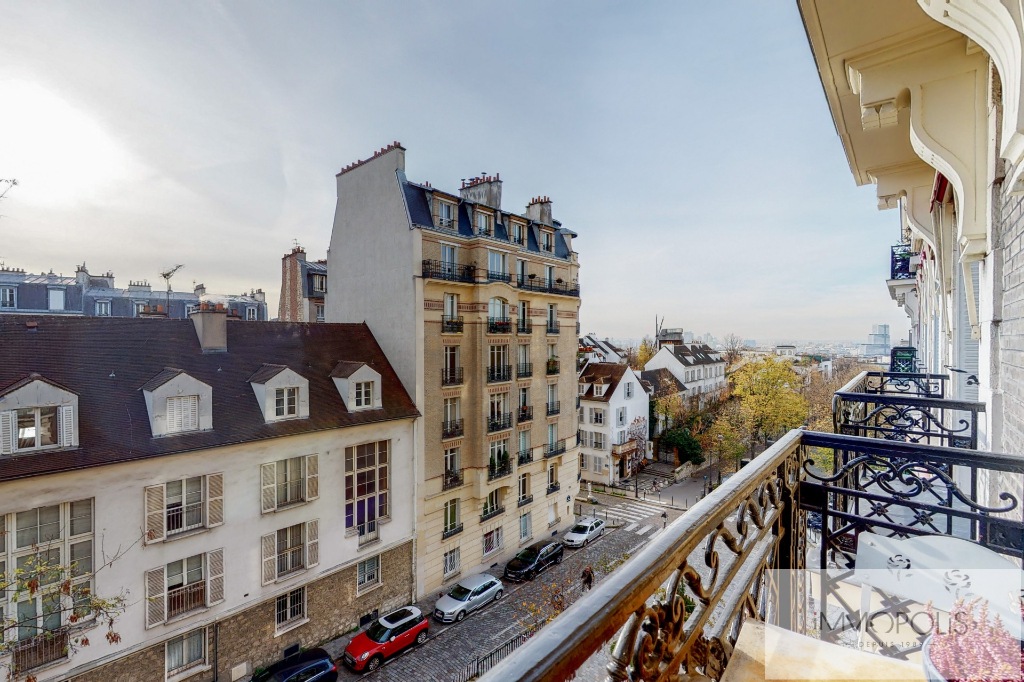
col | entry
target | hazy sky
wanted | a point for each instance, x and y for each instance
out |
(688, 144)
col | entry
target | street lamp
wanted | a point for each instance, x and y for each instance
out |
(720, 439)
(705, 485)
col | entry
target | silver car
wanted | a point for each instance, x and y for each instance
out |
(583, 532)
(467, 595)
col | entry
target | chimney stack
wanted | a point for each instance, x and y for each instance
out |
(211, 327)
(484, 189)
(539, 210)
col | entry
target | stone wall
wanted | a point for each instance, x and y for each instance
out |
(1011, 329)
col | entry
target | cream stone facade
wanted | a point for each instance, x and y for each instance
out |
(477, 309)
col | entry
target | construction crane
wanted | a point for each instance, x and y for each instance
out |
(167, 278)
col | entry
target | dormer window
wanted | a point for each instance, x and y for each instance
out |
(182, 413)
(483, 223)
(445, 214)
(320, 283)
(178, 403)
(358, 384)
(281, 393)
(41, 415)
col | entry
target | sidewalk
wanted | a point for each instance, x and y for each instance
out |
(681, 495)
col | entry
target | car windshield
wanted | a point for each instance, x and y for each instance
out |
(459, 593)
(377, 632)
(579, 529)
(527, 555)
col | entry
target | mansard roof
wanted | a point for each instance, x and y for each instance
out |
(106, 360)
(601, 374)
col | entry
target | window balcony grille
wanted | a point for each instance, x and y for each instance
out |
(899, 262)
(452, 479)
(525, 500)
(185, 518)
(451, 272)
(452, 531)
(498, 276)
(553, 488)
(499, 469)
(524, 414)
(369, 532)
(499, 422)
(37, 651)
(451, 324)
(491, 513)
(556, 448)
(451, 429)
(553, 327)
(524, 326)
(499, 373)
(554, 408)
(499, 325)
(451, 376)
(552, 367)
(525, 456)
(546, 287)
(524, 369)
(186, 598)
(905, 383)
(810, 519)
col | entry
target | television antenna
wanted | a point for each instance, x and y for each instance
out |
(167, 278)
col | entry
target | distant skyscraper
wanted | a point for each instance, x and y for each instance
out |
(878, 341)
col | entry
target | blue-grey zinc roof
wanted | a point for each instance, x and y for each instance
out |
(465, 222)
(419, 207)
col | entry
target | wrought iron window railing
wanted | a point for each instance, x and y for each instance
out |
(499, 325)
(452, 272)
(451, 376)
(498, 276)
(677, 606)
(524, 414)
(524, 369)
(452, 479)
(554, 408)
(525, 500)
(544, 286)
(369, 532)
(553, 487)
(524, 326)
(451, 428)
(553, 327)
(186, 598)
(44, 648)
(499, 422)
(902, 383)
(499, 469)
(899, 262)
(491, 513)
(552, 366)
(451, 531)
(451, 324)
(499, 373)
(525, 456)
(556, 448)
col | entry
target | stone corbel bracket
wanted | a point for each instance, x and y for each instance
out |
(944, 86)
(913, 183)
(998, 28)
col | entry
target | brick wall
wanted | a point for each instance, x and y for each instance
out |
(332, 607)
(1011, 330)
(290, 308)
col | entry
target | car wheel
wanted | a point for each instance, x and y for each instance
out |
(459, 616)
(374, 663)
(422, 637)
(531, 575)
(499, 595)
(585, 541)
(558, 559)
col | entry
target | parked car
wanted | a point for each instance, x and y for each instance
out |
(583, 532)
(533, 559)
(467, 595)
(315, 665)
(386, 636)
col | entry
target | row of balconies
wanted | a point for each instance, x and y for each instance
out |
(498, 421)
(470, 274)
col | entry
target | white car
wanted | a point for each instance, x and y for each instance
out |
(583, 532)
(468, 595)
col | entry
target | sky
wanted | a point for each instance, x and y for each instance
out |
(689, 146)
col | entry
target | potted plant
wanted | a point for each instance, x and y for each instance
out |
(972, 646)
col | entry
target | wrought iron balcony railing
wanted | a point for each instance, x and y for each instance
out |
(498, 276)
(903, 383)
(451, 531)
(452, 272)
(491, 513)
(452, 428)
(524, 369)
(525, 500)
(186, 598)
(499, 422)
(499, 325)
(44, 648)
(899, 263)
(554, 408)
(554, 327)
(898, 416)
(553, 488)
(524, 414)
(544, 286)
(552, 366)
(525, 456)
(903, 359)
(499, 373)
(451, 324)
(675, 609)
(524, 326)
(556, 448)
(499, 469)
(452, 479)
(369, 532)
(451, 376)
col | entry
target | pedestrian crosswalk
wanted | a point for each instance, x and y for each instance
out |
(631, 513)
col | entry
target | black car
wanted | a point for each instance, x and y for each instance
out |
(315, 665)
(533, 559)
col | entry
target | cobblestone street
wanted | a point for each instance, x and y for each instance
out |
(452, 647)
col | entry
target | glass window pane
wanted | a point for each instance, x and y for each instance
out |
(81, 517)
(26, 429)
(47, 426)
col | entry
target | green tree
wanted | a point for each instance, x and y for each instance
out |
(645, 352)
(683, 441)
(770, 399)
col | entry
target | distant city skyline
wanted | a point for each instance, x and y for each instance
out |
(706, 184)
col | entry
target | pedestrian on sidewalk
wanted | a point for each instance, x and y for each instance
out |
(588, 578)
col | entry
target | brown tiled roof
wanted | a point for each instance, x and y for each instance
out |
(105, 361)
(601, 373)
(663, 382)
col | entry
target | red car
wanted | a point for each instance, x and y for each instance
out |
(385, 637)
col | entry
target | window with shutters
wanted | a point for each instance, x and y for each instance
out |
(52, 547)
(185, 651)
(182, 505)
(184, 586)
(182, 413)
(366, 487)
(368, 575)
(290, 481)
(290, 550)
(290, 609)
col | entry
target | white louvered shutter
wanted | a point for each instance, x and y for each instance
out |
(312, 543)
(312, 477)
(67, 426)
(269, 549)
(155, 514)
(215, 581)
(268, 487)
(190, 418)
(214, 500)
(6, 432)
(174, 415)
(156, 595)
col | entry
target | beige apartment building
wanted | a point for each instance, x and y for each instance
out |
(477, 309)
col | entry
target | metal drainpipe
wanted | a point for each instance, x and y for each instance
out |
(216, 650)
